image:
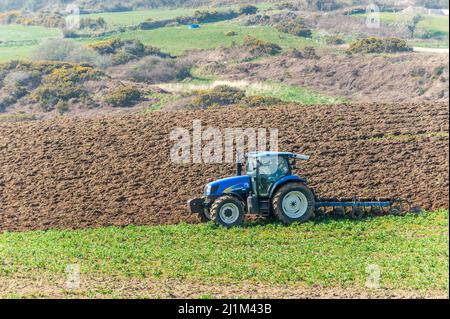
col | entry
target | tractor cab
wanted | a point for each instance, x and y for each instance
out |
(266, 169)
(267, 175)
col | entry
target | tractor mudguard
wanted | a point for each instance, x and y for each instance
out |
(286, 179)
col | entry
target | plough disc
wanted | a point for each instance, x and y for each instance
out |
(358, 208)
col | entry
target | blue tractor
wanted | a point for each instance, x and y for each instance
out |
(269, 188)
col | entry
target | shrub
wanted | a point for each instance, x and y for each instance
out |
(123, 96)
(260, 47)
(286, 6)
(43, 18)
(62, 107)
(66, 50)
(222, 95)
(378, 45)
(107, 46)
(63, 83)
(121, 51)
(295, 27)
(157, 70)
(150, 24)
(6, 101)
(248, 9)
(213, 16)
(334, 40)
(309, 52)
(70, 34)
(92, 24)
(259, 101)
(230, 33)
(294, 53)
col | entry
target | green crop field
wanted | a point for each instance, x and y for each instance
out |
(411, 252)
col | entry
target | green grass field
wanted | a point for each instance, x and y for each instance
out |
(13, 32)
(18, 42)
(135, 17)
(437, 26)
(284, 92)
(177, 40)
(411, 252)
(292, 93)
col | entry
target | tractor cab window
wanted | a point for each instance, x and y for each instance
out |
(270, 169)
(251, 166)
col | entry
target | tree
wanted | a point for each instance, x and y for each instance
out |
(412, 24)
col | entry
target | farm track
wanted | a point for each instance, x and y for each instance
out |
(77, 173)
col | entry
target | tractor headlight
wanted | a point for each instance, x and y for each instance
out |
(207, 190)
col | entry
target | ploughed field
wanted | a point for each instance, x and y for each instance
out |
(77, 173)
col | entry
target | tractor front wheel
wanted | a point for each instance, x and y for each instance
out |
(228, 211)
(205, 216)
(293, 202)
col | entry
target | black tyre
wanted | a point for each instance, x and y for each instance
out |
(228, 211)
(205, 215)
(293, 202)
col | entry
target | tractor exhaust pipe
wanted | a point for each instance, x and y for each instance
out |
(238, 169)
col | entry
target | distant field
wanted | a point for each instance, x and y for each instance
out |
(411, 252)
(17, 41)
(436, 25)
(177, 40)
(135, 17)
(13, 32)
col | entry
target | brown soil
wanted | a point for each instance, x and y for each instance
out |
(51, 286)
(75, 173)
(408, 77)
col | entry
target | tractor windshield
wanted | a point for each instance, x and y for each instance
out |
(270, 169)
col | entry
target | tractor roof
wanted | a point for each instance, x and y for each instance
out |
(284, 154)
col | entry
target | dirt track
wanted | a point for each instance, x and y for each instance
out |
(53, 286)
(71, 173)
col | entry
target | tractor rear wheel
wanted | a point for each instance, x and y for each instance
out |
(227, 211)
(293, 202)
